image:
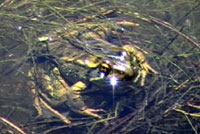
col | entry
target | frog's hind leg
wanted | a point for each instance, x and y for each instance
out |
(91, 112)
(36, 102)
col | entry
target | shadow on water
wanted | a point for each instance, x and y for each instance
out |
(46, 34)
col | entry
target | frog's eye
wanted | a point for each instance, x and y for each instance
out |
(105, 68)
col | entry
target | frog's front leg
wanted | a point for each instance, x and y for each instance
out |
(76, 103)
(139, 54)
(145, 70)
(138, 59)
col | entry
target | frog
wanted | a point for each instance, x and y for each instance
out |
(47, 84)
(83, 45)
(130, 63)
(127, 62)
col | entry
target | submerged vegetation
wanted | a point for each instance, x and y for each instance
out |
(157, 85)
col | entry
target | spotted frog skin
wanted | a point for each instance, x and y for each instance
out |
(51, 86)
(76, 46)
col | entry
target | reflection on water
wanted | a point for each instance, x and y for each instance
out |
(78, 28)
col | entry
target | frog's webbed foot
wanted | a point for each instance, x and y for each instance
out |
(76, 103)
(92, 112)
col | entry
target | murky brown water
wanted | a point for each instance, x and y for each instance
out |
(172, 55)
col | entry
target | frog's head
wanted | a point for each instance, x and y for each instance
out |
(117, 66)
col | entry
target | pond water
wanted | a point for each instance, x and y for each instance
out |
(43, 34)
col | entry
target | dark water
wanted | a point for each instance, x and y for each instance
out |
(147, 109)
